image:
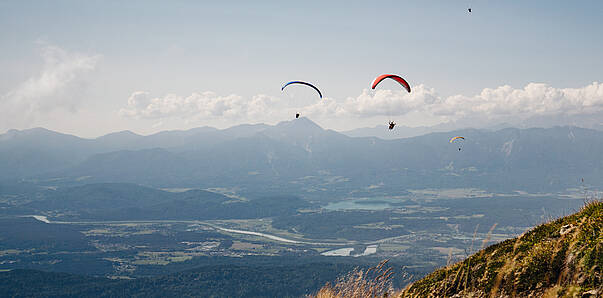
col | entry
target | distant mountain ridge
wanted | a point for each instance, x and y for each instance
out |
(401, 131)
(300, 156)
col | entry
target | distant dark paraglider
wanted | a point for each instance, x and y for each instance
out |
(469, 9)
(393, 77)
(391, 125)
(303, 83)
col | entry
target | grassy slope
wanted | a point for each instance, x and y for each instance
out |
(563, 258)
(560, 258)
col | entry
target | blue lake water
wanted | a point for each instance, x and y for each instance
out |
(362, 204)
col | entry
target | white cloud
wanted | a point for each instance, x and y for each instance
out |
(205, 105)
(551, 105)
(53, 88)
(535, 103)
(388, 102)
(533, 100)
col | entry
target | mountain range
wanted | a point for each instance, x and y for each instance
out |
(301, 156)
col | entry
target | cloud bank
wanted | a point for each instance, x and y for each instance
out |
(55, 87)
(205, 105)
(536, 104)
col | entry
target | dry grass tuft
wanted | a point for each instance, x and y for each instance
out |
(374, 282)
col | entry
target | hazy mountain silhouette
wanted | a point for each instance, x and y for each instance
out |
(300, 154)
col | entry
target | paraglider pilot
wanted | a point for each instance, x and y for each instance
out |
(391, 125)
(296, 115)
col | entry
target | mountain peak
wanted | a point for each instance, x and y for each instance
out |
(120, 134)
(35, 133)
(30, 131)
(302, 123)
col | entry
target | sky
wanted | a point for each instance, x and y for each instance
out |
(93, 67)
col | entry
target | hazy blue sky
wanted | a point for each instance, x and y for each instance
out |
(92, 67)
